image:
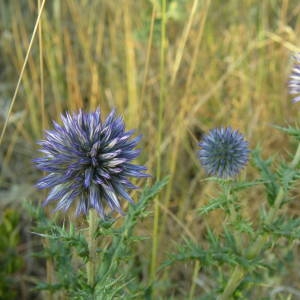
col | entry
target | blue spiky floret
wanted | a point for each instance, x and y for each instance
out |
(294, 79)
(224, 152)
(88, 162)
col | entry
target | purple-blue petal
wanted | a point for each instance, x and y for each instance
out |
(88, 162)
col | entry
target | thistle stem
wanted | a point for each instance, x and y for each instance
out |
(239, 273)
(162, 97)
(234, 281)
(92, 243)
(195, 273)
(232, 210)
(49, 271)
(296, 158)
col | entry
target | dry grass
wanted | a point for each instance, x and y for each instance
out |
(225, 63)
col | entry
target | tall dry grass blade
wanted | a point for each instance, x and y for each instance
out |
(22, 71)
(73, 84)
(42, 96)
(76, 10)
(95, 90)
(49, 263)
(219, 83)
(31, 72)
(14, 138)
(197, 267)
(148, 53)
(116, 91)
(54, 60)
(283, 12)
(183, 40)
(131, 73)
(161, 109)
(284, 43)
(184, 107)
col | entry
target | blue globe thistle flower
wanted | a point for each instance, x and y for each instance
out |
(294, 79)
(88, 162)
(224, 152)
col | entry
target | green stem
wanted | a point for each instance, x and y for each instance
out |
(258, 245)
(296, 159)
(159, 138)
(232, 211)
(239, 273)
(195, 273)
(92, 262)
(230, 204)
(234, 281)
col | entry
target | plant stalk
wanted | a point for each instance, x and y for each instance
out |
(239, 273)
(195, 273)
(162, 97)
(92, 243)
(234, 281)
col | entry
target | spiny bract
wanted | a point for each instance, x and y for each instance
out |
(88, 162)
(224, 152)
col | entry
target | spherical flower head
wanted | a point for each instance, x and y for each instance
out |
(294, 79)
(89, 162)
(224, 152)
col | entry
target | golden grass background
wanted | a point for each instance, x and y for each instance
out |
(218, 63)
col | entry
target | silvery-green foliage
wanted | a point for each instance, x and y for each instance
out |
(245, 255)
(68, 249)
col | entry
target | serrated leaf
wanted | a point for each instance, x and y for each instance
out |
(242, 185)
(268, 177)
(291, 131)
(213, 204)
(151, 192)
(287, 176)
(283, 227)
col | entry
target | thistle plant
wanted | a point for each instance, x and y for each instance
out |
(241, 258)
(69, 249)
(224, 152)
(89, 163)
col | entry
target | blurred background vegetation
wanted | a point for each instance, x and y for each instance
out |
(218, 63)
